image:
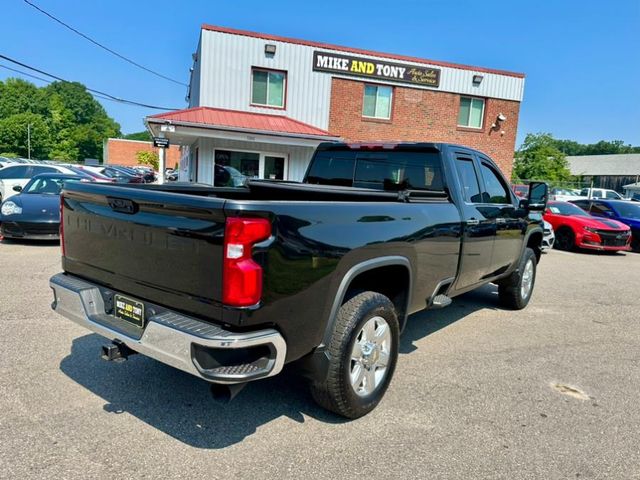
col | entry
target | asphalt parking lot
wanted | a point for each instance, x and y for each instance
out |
(548, 392)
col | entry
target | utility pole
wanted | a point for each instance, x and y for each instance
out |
(29, 141)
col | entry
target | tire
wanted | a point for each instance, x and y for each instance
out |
(354, 323)
(565, 240)
(515, 292)
(635, 243)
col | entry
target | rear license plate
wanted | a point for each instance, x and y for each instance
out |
(129, 310)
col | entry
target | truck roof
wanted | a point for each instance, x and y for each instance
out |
(380, 145)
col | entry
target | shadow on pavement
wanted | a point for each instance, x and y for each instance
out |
(31, 243)
(423, 324)
(180, 405)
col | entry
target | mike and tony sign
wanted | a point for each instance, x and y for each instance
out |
(381, 70)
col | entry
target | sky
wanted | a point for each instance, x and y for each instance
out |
(581, 58)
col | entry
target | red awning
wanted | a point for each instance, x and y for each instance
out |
(218, 117)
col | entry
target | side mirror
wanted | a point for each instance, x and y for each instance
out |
(17, 188)
(538, 195)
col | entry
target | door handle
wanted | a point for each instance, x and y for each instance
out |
(473, 221)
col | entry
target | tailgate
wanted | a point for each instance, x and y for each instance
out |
(159, 246)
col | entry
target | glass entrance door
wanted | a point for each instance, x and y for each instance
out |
(273, 168)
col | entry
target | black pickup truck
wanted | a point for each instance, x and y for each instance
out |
(231, 284)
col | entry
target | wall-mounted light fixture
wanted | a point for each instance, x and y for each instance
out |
(497, 125)
(270, 49)
(477, 80)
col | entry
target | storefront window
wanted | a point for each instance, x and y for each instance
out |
(471, 112)
(268, 88)
(248, 164)
(233, 168)
(377, 101)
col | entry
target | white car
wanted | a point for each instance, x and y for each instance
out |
(19, 174)
(564, 195)
(5, 162)
(548, 237)
(599, 193)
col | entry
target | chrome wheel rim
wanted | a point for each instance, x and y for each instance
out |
(527, 279)
(370, 356)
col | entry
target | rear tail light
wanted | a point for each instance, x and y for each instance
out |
(241, 276)
(62, 224)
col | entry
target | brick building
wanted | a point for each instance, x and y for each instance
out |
(261, 103)
(119, 151)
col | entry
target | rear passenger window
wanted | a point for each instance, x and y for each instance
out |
(395, 171)
(494, 189)
(330, 168)
(390, 171)
(14, 172)
(468, 179)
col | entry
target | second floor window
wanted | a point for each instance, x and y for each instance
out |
(268, 88)
(377, 101)
(471, 112)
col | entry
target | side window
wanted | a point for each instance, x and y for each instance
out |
(14, 172)
(600, 209)
(494, 189)
(37, 170)
(612, 195)
(583, 204)
(468, 179)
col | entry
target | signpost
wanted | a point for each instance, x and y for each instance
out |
(160, 142)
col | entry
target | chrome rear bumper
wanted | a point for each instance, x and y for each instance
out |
(175, 339)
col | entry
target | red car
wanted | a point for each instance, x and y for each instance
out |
(574, 228)
(521, 191)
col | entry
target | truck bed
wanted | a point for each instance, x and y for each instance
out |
(164, 243)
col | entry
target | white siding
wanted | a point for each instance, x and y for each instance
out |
(194, 84)
(225, 78)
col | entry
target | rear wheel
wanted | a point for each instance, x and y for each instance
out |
(363, 354)
(565, 239)
(515, 291)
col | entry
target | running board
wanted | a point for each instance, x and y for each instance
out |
(440, 301)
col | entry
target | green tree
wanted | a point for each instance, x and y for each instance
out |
(540, 159)
(603, 147)
(80, 123)
(20, 96)
(145, 157)
(67, 123)
(14, 135)
(144, 136)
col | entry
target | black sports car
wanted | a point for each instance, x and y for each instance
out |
(35, 212)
